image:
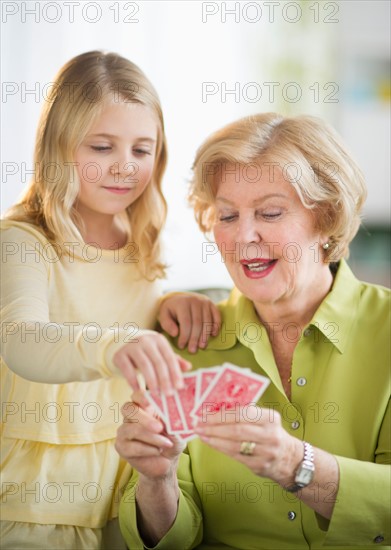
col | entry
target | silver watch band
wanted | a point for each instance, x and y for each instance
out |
(308, 452)
(307, 464)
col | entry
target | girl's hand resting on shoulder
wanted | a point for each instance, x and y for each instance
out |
(143, 441)
(152, 356)
(190, 316)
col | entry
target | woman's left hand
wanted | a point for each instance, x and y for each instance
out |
(192, 316)
(274, 452)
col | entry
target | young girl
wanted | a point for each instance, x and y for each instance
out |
(81, 264)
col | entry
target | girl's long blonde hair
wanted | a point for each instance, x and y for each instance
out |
(80, 91)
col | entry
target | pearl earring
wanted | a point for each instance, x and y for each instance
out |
(325, 246)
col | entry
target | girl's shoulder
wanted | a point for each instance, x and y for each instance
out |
(15, 231)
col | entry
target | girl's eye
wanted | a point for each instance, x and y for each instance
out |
(100, 147)
(141, 152)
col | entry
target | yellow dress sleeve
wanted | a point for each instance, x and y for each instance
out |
(33, 345)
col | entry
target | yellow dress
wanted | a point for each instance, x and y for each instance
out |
(63, 318)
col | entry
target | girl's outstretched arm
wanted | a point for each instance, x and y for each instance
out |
(41, 346)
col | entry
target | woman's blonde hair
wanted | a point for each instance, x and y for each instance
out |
(311, 156)
(80, 91)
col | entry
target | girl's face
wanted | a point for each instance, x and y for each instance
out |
(116, 158)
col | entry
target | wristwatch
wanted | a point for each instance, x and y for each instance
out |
(305, 472)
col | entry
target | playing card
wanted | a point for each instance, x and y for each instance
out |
(233, 386)
(206, 376)
(206, 391)
(155, 399)
(187, 397)
(175, 419)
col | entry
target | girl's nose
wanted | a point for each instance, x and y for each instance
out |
(124, 167)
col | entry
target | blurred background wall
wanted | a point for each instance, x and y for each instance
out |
(213, 62)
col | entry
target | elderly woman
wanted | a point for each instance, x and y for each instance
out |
(283, 198)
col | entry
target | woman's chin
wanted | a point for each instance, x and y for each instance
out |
(261, 297)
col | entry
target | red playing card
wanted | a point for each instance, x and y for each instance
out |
(206, 377)
(155, 399)
(187, 396)
(175, 419)
(232, 387)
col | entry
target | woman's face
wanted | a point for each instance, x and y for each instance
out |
(116, 158)
(266, 237)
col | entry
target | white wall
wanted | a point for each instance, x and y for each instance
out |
(364, 119)
(181, 45)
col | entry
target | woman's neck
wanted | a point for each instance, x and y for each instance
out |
(295, 311)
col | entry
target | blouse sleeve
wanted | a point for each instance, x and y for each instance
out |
(185, 533)
(362, 508)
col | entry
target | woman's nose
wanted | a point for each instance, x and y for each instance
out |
(248, 231)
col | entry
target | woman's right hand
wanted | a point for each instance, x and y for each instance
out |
(143, 441)
(152, 356)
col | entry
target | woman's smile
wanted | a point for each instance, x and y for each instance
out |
(258, 268)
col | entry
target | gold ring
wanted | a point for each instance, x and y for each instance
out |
(247, 448)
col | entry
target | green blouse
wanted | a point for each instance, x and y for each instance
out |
(339, 403)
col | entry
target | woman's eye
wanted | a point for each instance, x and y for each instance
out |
(228, 218)
(271, 215)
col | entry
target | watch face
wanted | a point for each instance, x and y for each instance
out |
(304, 475)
